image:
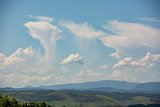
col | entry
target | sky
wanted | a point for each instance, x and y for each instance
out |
(48, 42)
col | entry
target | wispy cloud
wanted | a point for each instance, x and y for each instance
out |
(47, 34)
(27, 66)
(127, 36)
(81, 30)
(88, 75)
(41, 18)
(150, 19)
(103, 67)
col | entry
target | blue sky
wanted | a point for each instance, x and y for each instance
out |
(45, 42)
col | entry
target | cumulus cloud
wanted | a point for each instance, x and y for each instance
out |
(41, 18)
(73, 58)
(47, 34)
(18, 57)
(144, 69)
(82, 30)
(126, 36)
(15, 67)
(28, 66)
(138, 65)
(24, 67)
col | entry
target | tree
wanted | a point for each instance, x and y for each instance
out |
(5, 102)
(43, 104)
(14, 103)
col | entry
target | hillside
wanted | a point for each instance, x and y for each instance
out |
(89, 94)
(150, 86)
(73, 98)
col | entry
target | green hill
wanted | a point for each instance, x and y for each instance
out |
(72, 98)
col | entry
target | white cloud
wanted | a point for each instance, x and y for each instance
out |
(47, 34)
(19, 80)
(116, 75)
(127, 36)
(2, 60)
(22, 74)
(103, 67)
(73, 58)
(142, 64)
(27, 66)
(18, 68)
(18, 57)
(150, 19)
(123, 62)
(88, 75)
(83, 30)
(144, 69)
(41, 18)
(115, 55)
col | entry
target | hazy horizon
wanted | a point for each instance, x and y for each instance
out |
(57, 42)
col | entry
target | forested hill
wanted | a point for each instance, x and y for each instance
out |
(74, 98)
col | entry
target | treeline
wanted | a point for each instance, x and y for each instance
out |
(84, 98)
(5, 101)
(148, 105)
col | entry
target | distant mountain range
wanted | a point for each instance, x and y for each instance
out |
(150, 86)
(105, 85)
